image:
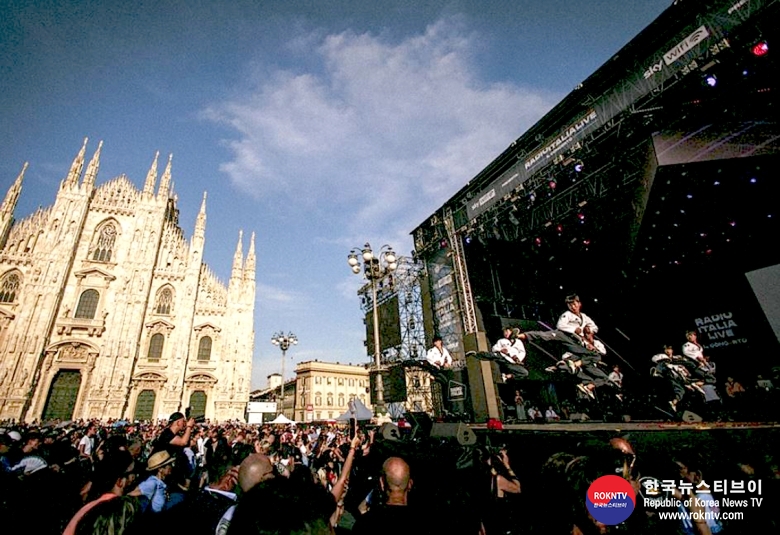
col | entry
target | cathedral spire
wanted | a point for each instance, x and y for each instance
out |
(165, 181)
(75, 168)
(151, 177)
(249, 266)
(238, 258)
(200, 223)
(92, 169)
(9, 204)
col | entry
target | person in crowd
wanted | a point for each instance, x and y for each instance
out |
(393, 515)
(500, 511)
(284, 506)
(118, 516)
(550, 415)
(255, 469)
(217, 453)
(700, 517)
(154, 488)
(112, 477)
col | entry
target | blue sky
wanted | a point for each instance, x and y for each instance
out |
(318, 125)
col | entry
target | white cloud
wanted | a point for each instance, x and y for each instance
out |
(394, 128)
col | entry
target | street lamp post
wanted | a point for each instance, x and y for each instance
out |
(374, 268)
(284, 341)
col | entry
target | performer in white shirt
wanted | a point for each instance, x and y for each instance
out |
(511, 348)
(438, 362)
(573, 321)
(695, 361)
(438, 355)
(616, 376)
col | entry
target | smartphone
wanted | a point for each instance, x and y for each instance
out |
(352, 428)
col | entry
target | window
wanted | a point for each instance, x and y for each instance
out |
(318, 399)
(319, 415)
(360, 383)
(156, 347)
(164, 302)
(87, 306)
(204, 349)
(104, 246)
(330, 400)
(341, 381)
(341, 400)
(351, 382)
(330, 380)
(9, 287)
(303, 401)
(318, 380)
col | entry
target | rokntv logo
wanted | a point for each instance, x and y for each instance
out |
(610, 500)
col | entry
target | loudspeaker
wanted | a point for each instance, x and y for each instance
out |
(393, 384)
(421, 423)
(688, 416)
(390, 432)
(461, 432)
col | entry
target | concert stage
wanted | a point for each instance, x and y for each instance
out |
(649, 191)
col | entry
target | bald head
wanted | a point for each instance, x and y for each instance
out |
(255, 469)
(395, 473)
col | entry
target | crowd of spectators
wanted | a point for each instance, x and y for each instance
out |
(179, 476)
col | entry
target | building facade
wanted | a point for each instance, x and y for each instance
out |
(107, 310)
(323, 389)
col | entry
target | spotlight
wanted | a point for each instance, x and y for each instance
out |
(467, 240)
(760, 49)
(559, 228)
(581, 216)
(443, 244)
(711, 80)
(532, 196)
(586, 242)
(538, 241)
(579, 166)
(753, 180)
(552, 184)
(717, 183)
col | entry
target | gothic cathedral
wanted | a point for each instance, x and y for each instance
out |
(107, 311)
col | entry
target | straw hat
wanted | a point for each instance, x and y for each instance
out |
(158, 460)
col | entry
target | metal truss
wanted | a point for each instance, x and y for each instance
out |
(403, 283)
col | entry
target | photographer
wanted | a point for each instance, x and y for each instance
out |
(174, 439)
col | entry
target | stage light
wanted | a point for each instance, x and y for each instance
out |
(443, 244)
(559, 228)
(752, 180)
(717, 183)
(586, 242)
(733, 223)
(689, 196)
(760, 49)
(532, 196)
(538, 241)
(552, 184)
(579, 166)
(711, 80)
(467, 239)
(581, 216)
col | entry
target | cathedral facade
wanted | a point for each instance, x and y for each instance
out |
(108, 311)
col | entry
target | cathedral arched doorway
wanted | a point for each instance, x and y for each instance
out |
(144, 405)
(63, 394)
(198, 404)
